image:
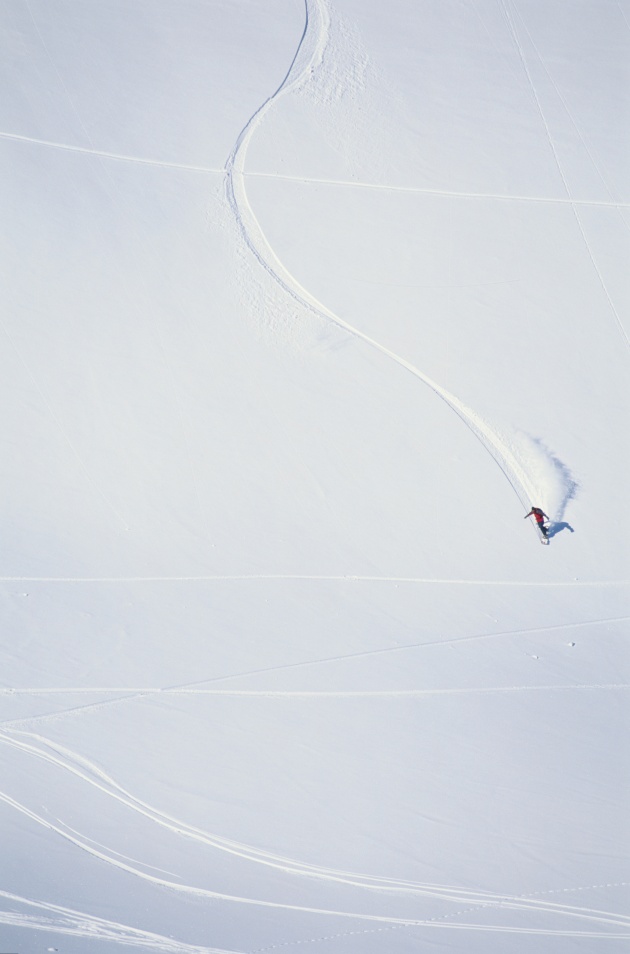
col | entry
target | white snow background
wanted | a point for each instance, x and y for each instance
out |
(304, 305)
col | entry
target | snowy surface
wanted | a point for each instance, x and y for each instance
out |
(305, 305)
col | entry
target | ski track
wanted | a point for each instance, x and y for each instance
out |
(71, 762)
(307, 60)
(111, 850)
(315, 35)
(73, 923)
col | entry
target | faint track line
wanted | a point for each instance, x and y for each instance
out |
(389, 693)
(69, 690)
(624, 17)
(103, 154)
(311, 693)
(506, 5)
(57, 71)
(306, 577)
(419, 190)
(565, 105)
(397, 649)
(135, 693)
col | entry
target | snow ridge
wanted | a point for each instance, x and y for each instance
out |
(308, 57)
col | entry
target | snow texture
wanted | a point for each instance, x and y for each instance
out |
(307, 303)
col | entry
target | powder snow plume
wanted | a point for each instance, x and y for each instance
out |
(550, 483)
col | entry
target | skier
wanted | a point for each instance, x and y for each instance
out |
(540, 516)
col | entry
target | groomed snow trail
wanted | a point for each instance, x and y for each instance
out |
(307, 60)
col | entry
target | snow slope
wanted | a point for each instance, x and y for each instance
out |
(306, 304)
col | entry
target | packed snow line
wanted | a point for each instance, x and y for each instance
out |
(307, 180)
(75, 923)
(307, 59)
(298, 577)
(291, 693)
(90, 773)
(103, 154)
(387, 693)
(422, 190)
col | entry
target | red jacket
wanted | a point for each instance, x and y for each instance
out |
(539, 515)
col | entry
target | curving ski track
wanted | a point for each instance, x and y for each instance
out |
(307, 59)
(64, 759)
